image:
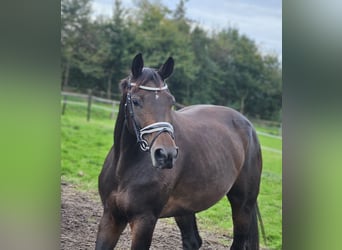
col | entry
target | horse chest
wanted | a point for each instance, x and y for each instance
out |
(138, 198)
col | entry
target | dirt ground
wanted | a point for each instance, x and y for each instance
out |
(81, 213)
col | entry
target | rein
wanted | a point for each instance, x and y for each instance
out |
(159, 127)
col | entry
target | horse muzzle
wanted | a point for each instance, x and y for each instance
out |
(164, 157)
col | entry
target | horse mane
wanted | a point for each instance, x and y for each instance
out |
(120, 121)
(149, 74)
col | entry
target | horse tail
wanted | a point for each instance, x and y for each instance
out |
(253, 237)
(261, 223)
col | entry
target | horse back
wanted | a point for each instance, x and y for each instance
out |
(217, 124)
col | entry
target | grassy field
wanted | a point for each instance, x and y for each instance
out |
(84, 146)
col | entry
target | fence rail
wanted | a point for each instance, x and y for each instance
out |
(88, 102)
(64, 93)
(269, 135)
(274, 150)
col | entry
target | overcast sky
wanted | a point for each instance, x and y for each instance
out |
(260, 20)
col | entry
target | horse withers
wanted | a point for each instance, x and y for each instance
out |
(167, 163)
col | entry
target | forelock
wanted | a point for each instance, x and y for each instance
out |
(150, 75)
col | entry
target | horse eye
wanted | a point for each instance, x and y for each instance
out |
(135, 102)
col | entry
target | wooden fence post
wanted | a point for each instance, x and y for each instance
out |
(89, 104)
(113, 111)
(64, 104)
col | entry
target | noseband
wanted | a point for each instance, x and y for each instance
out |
(157, 127)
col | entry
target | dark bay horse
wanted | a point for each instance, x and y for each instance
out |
(167, 163)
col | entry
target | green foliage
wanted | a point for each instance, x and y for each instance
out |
(223, 68)
(76, 39)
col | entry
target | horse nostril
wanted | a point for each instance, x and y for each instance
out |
(164, 157)
(175, 153)
(160, 154)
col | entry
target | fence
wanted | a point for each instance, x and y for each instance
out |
(89, 100)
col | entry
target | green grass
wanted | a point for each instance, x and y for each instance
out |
(84, 146)
(270, 142)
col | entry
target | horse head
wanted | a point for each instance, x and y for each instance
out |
(149, 111)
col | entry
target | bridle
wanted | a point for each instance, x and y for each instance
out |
(157, 127)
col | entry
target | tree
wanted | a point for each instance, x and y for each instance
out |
(179, 16)
(113, 46)
(208, 77)
(219, 50)
(75, 16)
(223, 67)
(159, 36)
(186, 67)
(247, 64)
(267, 101)
(239, 59)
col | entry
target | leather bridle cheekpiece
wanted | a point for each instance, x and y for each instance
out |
(157, 127)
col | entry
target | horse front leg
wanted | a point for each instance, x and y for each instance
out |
(109, 231)
(142, 228)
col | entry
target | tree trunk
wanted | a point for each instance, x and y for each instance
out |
(66, 75)
(242, 102)
(187, 93)
(109, 86)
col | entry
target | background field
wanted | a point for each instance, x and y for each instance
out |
(84, 146)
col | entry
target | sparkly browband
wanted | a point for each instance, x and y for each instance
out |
(150, 88)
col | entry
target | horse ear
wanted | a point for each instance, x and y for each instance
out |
(137, 65)
(167, 68)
